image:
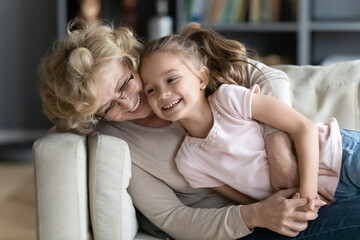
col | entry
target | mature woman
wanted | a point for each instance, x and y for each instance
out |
(92, 76)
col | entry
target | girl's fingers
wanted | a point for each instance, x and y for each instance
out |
(296, 195)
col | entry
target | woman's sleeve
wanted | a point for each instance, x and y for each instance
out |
(158, 202)
(276, 84)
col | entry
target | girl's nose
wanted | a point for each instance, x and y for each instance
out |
(164, 94)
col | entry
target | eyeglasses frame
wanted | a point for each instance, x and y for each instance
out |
(116, 101)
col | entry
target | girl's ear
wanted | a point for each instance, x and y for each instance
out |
(204, 77)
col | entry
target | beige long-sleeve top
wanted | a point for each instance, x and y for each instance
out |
(161, 193)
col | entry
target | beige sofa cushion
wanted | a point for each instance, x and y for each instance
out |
(111, 209)
(321, 92)
(61, 186)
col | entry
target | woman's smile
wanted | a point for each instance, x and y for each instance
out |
(138, 102)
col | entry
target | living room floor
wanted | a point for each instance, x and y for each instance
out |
(17, 201)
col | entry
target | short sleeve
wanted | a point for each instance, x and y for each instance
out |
(235, 100)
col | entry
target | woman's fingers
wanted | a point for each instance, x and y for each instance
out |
(300, 216)
(325, 194)
(327, 172)
(295, 228)
(281, 213)
(289, 232)
(296, 221)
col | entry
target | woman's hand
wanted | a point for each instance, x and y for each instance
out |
(324, 194)
(279, 214)
(283, 166)
(312, 205)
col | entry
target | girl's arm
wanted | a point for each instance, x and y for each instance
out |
(234, 195)
(283, 167)
(304, 132)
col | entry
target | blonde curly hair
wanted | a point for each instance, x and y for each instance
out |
(68, 91)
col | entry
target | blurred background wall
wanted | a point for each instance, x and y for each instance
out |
(280, 31)
(26, 30)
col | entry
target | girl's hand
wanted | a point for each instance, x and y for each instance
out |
(283, 165)
(312, 205)
(279, 214)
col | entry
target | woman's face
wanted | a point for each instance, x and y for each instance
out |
(121, 95)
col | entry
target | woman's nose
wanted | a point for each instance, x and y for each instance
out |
(126, 104)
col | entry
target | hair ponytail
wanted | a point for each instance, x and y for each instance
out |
(223, 57)
(200, 47)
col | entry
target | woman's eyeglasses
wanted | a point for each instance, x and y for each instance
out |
(114, 102)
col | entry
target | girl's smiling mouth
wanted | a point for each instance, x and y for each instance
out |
(171, 104)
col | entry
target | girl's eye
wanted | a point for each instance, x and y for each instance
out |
(149, 91)
(170, 80)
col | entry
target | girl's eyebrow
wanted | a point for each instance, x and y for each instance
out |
(169, 71)
(145, 85)
(161, 75)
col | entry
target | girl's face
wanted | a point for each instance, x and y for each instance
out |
(174, 92)
(121, 95)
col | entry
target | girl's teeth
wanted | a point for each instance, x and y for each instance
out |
(171, 104)
(137, 104)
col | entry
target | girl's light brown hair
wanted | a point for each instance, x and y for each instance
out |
(200, 47)
(67, 89)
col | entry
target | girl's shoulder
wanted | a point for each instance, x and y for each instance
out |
(229, 90)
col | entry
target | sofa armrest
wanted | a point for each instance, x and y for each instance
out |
(112, 211)
(61, 186)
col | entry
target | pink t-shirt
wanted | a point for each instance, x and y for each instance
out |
(234, 152)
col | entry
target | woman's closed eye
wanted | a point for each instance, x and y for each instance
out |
(107, 107)
(124, 85)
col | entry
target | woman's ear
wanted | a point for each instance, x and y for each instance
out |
(204, 77)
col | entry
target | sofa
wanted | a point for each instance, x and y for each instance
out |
(81, 181)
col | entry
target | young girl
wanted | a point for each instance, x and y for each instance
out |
(225, 148)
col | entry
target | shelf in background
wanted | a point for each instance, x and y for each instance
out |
(303, 31)
(306, 25)
(253, 27)
(331, 26)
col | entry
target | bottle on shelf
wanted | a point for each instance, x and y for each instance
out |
(161, 24)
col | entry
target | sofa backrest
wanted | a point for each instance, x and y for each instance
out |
(321, 92)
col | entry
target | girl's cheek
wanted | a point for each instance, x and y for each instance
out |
(153, 103)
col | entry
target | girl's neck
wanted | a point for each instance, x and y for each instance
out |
(200, 122)
(152, 121)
